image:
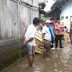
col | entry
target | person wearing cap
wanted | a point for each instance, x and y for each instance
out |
(58, 29)
(53, 22)
(52, 31)
(46, 39)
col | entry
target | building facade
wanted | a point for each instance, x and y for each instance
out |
(66, 14)
(62, 9)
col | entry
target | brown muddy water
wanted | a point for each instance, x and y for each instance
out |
(60, 60)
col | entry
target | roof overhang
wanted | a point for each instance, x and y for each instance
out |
(41, 11)
(59, 4)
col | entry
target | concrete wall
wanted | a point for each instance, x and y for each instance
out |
(10, 52)
(14, 19)
(26, 17)
(1, 16)
(9, 26)
(66, 11)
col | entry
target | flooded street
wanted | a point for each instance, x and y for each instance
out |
(60, 60)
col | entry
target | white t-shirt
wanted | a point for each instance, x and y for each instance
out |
(47, 35)
(30, 33)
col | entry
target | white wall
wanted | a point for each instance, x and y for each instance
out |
(66, 11)
(9, 26)
(14, 19)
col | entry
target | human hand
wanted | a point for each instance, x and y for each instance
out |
(44, 50)
(43, 40)
(58, 29)
(25, 42)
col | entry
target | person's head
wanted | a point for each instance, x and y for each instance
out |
(48, 22)
(71, 23)
(41, 28)
(53, 22)
(36, 21)
(65, 27)
(40, 21)
(43, 22)
(58, 20)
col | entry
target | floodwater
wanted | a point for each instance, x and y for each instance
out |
(60, 60)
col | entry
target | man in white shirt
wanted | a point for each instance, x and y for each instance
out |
(29, 39)
(46, 38)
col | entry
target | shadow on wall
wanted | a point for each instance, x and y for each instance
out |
(10, 53)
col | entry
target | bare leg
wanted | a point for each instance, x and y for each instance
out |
(30, 60)
(44, 53)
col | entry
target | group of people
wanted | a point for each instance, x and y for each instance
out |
(51, 32)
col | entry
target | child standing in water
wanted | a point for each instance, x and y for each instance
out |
(70, 33)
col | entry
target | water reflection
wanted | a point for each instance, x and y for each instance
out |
(65, 55)
(60, 60)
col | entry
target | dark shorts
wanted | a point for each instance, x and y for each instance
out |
(47, 45)
(30, 49)
(59, 37)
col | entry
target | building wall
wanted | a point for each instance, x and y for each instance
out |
(1, 16)
(15, 18)
(66, 11)
(8, 19)
(26, 17)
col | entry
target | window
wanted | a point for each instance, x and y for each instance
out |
(66, 17)
(62, 18)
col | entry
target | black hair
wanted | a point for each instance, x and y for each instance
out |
(36, 20)
(41, 28)
(40, 21)
(65, 27)
(58, 18)
(51, 19)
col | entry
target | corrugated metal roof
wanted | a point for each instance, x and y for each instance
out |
(42, 12)
(58, 3)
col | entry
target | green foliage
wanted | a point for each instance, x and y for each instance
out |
(66, 17)
(43, 17)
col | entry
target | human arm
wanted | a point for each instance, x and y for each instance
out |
(62, 26)
(26, 41)
(43, 37)
(56, 27)
(29, 35)
(43, 34)
(53, 32)
(32, 36)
